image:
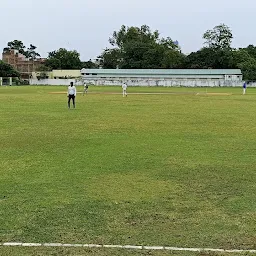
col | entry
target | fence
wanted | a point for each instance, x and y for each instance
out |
(167, 82)
(143, 82)
(54, 82)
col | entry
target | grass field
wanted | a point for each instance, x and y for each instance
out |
(170, 170)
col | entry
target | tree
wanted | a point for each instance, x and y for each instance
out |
(139, 47)
(43, 68)
(251, 50)
(63, 59)
(138, 55)
(110, 58)
(128, 34)
(245, 61)
(219, 38)
(210, 58)
(173, 59)
(31, 53)
(7, 70)
(18, 45)
(248, 69)
(218, 54)
(15, 45)
(89, 64)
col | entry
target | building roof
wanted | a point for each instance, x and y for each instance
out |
(162, 71)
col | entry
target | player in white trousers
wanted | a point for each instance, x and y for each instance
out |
(85, 89)
(124, 86)
(244, 88)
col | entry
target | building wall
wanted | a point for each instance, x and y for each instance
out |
(141, 82)
(54, 82)
(167, 82)
(164, 77)
(188, 78)
(21, 63)
(35, 75)
(66, 73)
(58, 74)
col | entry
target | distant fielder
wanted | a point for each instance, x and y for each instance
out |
(124, 86)
(71, 94)
(85, 88)
(244, 88)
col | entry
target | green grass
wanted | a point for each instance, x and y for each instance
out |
(100, 252)
(175, 169)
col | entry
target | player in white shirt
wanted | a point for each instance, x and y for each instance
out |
(71, 94)
(124, 86)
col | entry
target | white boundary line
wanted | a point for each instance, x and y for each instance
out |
(152, 93)
(132, 247)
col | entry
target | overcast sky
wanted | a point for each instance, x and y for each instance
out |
(86, 25)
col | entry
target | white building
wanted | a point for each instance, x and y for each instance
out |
(164, 77)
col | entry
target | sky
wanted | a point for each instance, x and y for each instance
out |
(86, 25)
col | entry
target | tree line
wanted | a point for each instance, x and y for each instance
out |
(142, 48)
(134, 47)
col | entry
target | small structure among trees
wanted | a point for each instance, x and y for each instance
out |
(7, 73)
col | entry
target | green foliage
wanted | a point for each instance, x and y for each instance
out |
(15, 45)
(219, 38)
(63, 59)
(110, 58)
(218, 53)
(31, 53)
(244, 59)
(43, 68)
(142, 48)
(251, 49)
(7, 70)
(139, 47)
(89, 64)
(210, 58)
(18, 45)
(248, 68)
(220, 58)
(128, 34)
(137, 54)
(172, 59)
(42, 75)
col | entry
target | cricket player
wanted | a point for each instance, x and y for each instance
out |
(85, 88)
(244, 88)
(124, 86)
(71, 94)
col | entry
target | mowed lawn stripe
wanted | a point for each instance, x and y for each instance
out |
(173, 169)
